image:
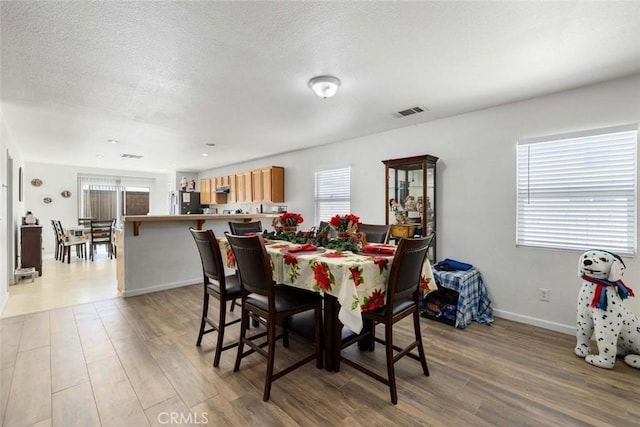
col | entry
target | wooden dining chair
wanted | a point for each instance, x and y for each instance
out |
(217, 285)
(272, 302)
(101, 232)
(65, 245)
(58, 239)
(240, 228)
(375, 233)
(403, 299)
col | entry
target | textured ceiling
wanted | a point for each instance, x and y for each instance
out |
(166, 78)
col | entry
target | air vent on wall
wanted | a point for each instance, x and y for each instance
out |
(410, 111)
(131, 156)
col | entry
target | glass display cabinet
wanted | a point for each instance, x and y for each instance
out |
(410, 197)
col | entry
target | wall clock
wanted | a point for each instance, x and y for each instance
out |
(36, 182)
(66, 194)
(46, 200)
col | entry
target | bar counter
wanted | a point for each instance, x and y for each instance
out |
(157, 252)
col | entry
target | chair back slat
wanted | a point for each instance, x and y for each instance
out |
(406, 270)
(210, 256)
(375, 233)
(239, 228)
(101, 230)
(253, 264)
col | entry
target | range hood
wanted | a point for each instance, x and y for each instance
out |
(224, 189)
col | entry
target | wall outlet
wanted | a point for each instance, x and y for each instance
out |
(544, 294)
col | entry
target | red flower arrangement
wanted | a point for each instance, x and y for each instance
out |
(290, 219)
(345, 222)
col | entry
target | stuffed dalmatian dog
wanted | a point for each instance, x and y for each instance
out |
(601, 311)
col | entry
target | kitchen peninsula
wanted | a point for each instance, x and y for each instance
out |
(156, 252)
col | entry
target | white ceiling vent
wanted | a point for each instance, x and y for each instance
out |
(131, 156)
(410, 111)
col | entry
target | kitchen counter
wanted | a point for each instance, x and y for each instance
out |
(200, 219)
(157, 252)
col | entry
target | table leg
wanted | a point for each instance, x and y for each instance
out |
(332, 334)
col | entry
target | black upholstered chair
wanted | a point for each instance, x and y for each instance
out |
(375, 233)
(240, 228)
(272, 302)
(403, 298)
(217, 285)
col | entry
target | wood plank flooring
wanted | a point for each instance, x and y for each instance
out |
(133, 362)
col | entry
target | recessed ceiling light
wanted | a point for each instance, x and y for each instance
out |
(204, 154)
(113, 141)
(99, 156)
(209, 144)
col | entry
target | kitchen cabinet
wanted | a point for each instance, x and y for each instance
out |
(243, 188)
(219, 198)
(232, 197)
(31, 247)
(257, 186)
(205, 191)
(410, 197)
(268, 185)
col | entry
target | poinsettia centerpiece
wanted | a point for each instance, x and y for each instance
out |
(345, 223)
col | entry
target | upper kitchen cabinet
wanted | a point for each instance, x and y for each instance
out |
(244, 191)
(232, 197)
(268, 184)
(205, 191)
(220, 190)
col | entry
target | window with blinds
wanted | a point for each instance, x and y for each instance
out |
(333, 193)
(578, 191)
(107, 197)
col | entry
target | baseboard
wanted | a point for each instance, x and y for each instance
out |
(5, 299)
(558, 327)
(163, 287)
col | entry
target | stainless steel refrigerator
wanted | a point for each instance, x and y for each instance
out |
(185, 202)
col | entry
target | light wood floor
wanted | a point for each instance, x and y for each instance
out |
(133, 362)
(62, 285)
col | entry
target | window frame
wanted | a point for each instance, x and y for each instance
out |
(337, 194)
(570, 193)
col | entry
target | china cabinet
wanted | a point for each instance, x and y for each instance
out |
(410, 197)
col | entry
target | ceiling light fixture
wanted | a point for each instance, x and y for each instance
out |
(204, 154)
(324, 86)
(113, 141)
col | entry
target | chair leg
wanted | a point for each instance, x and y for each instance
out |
(390, 369)
(416, 327)
(221, 326)
(271, 353)
(243, 333)
(203, 322)
(233, 305)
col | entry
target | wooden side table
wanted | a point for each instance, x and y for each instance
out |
(31, 247)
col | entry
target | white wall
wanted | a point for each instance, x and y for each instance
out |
(57, 179)
(476, 190)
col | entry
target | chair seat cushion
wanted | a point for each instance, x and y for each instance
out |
(287, 298)
(232, 284)
(398, 307)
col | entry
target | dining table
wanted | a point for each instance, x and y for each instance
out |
(351, 282)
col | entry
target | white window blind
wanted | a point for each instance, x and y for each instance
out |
(578, 191)
(333, 193)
